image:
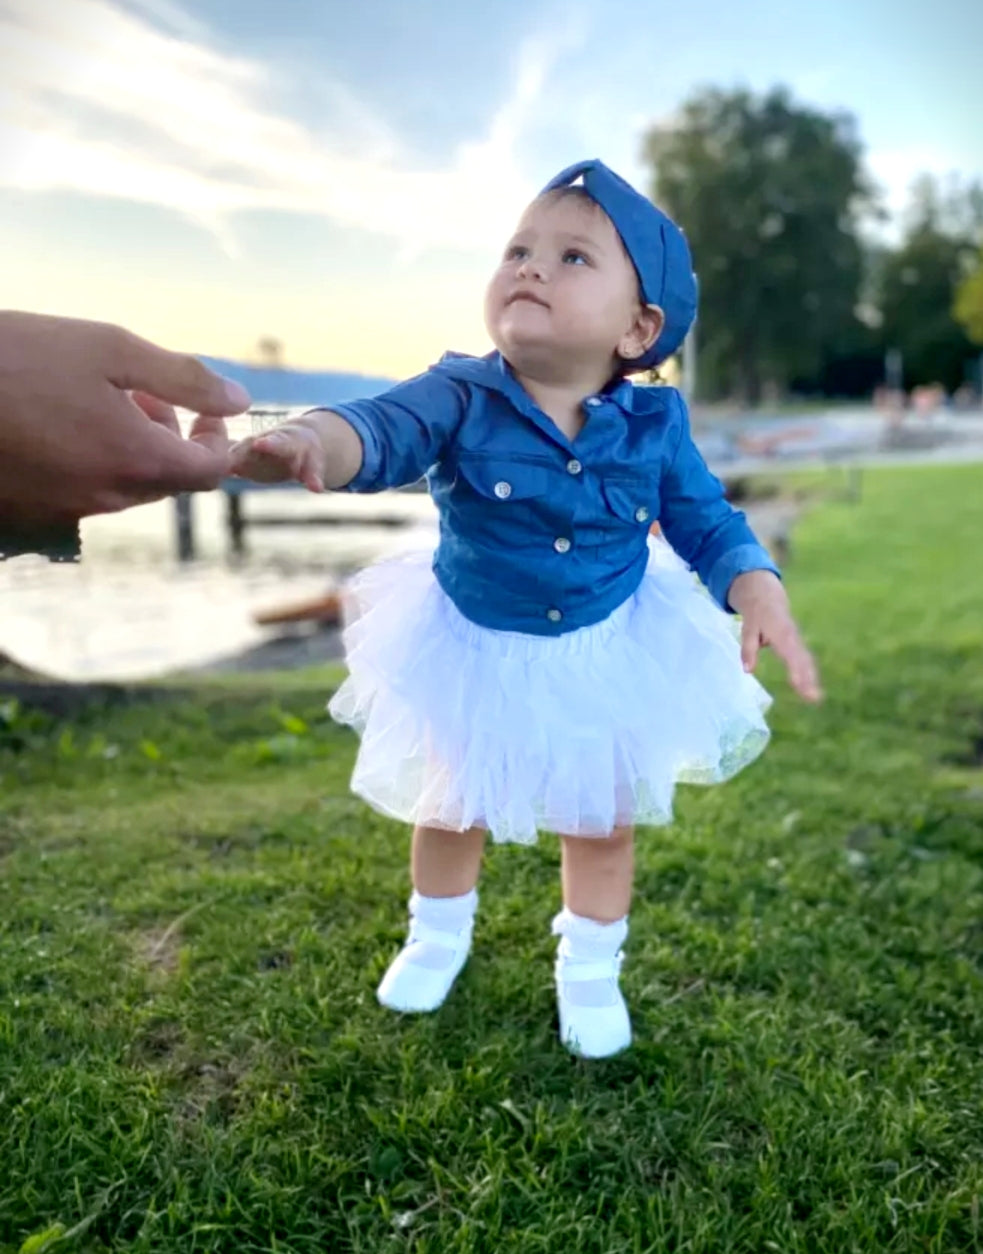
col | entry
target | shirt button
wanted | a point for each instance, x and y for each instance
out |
(593, 401)
(503, 490)
(561, 544)
(554, 615)
(574, 467)
(641, 514)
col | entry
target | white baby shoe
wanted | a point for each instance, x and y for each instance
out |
(437, 947)
(594, 1020)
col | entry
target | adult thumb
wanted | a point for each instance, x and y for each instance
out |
(136, 364)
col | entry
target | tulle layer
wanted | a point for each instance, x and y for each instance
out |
(581, 733)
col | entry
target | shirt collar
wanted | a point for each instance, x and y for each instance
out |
(494, 372)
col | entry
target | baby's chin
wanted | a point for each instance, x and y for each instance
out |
(521, 332)
(515, 348)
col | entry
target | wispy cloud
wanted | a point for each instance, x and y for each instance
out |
(138, 103)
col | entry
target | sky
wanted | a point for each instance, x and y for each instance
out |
(342, 176)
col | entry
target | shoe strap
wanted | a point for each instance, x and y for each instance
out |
(579, 972)
(420, 931)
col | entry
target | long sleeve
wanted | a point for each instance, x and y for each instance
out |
(701, 525)
(403, 431)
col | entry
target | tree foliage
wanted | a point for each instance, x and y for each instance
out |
(771, 195)
(918, 292)
(968, 307)
(794, 291)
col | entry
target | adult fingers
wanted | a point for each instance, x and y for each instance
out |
(210, 433)
(160, 464)
(157, 411)
(135, 364)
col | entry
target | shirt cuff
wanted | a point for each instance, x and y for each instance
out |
(734, 562)
(365, 478)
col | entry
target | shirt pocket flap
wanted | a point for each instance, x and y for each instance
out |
(500, 479)
(634, 498)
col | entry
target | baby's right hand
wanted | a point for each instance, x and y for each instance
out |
(290, 452)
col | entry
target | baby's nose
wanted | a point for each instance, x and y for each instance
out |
(532, 268)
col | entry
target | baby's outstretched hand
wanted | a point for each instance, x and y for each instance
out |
(762, 602)
(290, 452)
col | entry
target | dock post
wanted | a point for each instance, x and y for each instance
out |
(184, 520)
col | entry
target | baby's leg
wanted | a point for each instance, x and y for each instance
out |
(445, 868)
(593, 925)
(597, 874)
(446, 864)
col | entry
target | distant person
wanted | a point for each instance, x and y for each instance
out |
(87, 424)
(551, 666)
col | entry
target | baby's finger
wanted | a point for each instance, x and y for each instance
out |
(803, 674)
(282, 453)
(310, 472)
(750, 644)
(249, 462)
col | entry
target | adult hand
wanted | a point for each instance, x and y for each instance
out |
(87, 424)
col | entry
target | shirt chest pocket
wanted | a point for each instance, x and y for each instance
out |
(499, 480)
(503, 501)
(632, 499)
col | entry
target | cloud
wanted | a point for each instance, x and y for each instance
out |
(138, 103)
(896, 169)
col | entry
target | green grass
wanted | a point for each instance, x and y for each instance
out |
(194, 914)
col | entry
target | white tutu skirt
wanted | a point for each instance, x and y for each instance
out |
(580, 733)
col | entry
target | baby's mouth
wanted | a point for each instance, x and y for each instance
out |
(533, 300)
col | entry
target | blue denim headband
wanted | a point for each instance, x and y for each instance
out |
(655, 244)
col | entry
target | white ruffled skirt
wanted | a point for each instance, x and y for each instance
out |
(581, 733)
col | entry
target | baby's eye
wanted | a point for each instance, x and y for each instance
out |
(573, 257)
(516, 252)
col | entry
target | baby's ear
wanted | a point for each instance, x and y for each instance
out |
(645, 330)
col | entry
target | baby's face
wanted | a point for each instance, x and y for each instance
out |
(565, 290)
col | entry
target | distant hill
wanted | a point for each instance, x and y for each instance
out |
(272, 386)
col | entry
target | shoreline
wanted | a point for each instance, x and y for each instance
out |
(151, 606)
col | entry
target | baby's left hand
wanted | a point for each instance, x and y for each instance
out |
(762, 603)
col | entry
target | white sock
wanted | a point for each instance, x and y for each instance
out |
(586, 940)
(446, 914)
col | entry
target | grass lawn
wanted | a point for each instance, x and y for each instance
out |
(194, 914)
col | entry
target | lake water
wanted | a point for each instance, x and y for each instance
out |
(130, 610)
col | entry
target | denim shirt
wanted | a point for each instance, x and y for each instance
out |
(540, 533)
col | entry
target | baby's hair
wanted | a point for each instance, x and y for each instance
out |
(570, 191)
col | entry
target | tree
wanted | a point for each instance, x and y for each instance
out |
(922, 279)
(771, 196)
(968, 307)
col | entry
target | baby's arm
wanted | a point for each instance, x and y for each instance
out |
(716, 540)
(367, 445)
(700, 523)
